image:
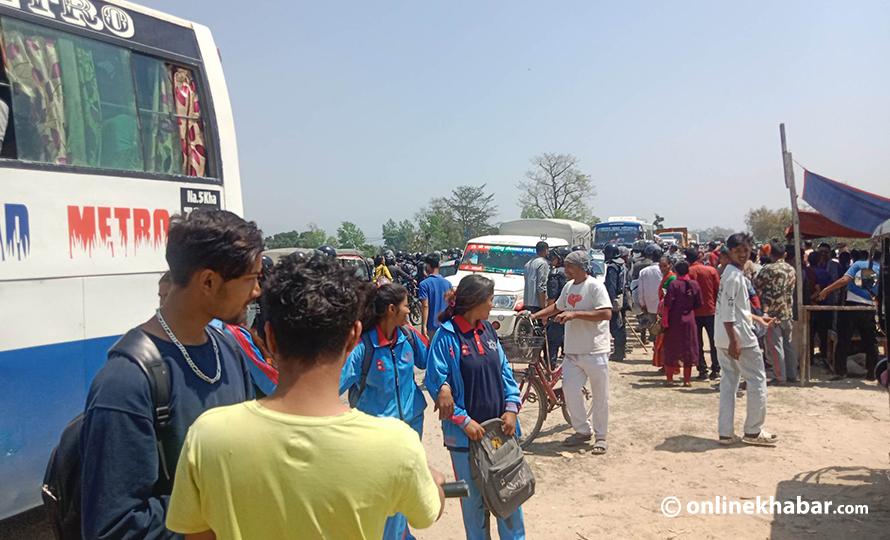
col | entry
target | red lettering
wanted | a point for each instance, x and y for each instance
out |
(161, 224)
(81, 229)
(122, 215)
(104, 215)
(141, 227)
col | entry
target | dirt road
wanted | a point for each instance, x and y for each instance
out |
(663, 443)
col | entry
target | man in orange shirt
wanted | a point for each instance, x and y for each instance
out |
(709, 282)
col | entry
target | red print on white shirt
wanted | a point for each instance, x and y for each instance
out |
(573, 299)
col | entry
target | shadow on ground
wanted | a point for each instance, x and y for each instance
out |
(842, 486)
(690, 444)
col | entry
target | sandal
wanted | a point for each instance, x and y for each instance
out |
(761, 439)
(599, 448)
(686, 384)
(668, 384)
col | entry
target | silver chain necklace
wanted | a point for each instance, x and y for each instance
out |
(185, 353)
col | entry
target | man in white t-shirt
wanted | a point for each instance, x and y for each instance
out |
(737, 349)
(585, 308)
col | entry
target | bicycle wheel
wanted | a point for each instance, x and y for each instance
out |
(534, 410)
(415, 317)
(588, 405)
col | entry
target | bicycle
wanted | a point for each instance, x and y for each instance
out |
(415, 316)
(537, 382)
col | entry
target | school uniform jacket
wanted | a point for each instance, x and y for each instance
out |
(454, 338)
(388, 365)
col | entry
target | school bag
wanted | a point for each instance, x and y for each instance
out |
(62, 481)
(499, 470)
(357, 389)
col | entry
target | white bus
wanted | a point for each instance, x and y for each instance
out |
(118, 118)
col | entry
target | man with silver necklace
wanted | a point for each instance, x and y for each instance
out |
(215, 260)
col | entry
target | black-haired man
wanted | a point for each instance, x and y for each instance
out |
(300, 463)
(775, 287)
(432, 297)
(737, 349)
(536, 271)
(215, 260)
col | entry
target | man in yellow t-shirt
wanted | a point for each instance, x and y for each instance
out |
(300, 463)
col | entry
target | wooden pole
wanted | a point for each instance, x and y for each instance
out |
(800, 326)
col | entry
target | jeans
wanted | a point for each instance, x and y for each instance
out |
(780, 351)
(863, 322)
(706, 323)
(473, 510)
(619, 333)
(750, 367)
(577, 369)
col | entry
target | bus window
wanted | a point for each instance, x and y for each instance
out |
(7, 134)
(74, 102)
(160, 134)
(191, 126)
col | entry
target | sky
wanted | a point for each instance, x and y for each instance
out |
(363, 111)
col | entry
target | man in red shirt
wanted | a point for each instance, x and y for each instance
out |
(709, 282)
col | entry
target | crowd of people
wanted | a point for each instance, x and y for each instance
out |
(259, 442)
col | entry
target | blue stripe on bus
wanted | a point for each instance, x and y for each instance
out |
(43, 388)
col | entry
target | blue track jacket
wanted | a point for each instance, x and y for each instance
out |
(380, 390)
(444, 368)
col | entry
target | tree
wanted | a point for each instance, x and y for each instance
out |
(311, 238)
(283, 240)
(471, 210)
(398, 236)
(556, 188)
(766, 224)
(349, 236)
(659, 222)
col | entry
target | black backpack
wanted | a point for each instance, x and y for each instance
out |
(357, 389)
(62, 482)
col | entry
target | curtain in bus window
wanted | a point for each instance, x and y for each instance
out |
(82, 104)
(191, 129)
(160, 134)
(38, 104)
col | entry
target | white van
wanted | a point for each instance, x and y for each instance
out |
(502, 258)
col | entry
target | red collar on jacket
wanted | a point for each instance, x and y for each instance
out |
(465, 327)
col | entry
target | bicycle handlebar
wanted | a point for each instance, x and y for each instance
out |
(456, 490)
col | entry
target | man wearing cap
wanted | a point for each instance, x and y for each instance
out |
(585, 308)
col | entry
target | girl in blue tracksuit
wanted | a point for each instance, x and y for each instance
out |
(390, 390)
(471, 381)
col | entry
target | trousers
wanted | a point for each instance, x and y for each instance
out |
(577, 370)
(750, 367)
(706, 323)
(780, 351)
(863, 322)
(473, 510)
(619, 333)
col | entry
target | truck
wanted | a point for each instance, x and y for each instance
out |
(675, 235)
(502, 258)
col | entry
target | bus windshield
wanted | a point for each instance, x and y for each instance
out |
(624, 233)
(496, 259)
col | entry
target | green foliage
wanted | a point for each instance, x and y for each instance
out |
(451, 221)
(398, 236)
(349, 236)
(311, 238)
(766, 224)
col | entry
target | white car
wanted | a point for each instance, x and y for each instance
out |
(502, 258)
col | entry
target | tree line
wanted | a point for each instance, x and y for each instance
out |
(553, 187)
